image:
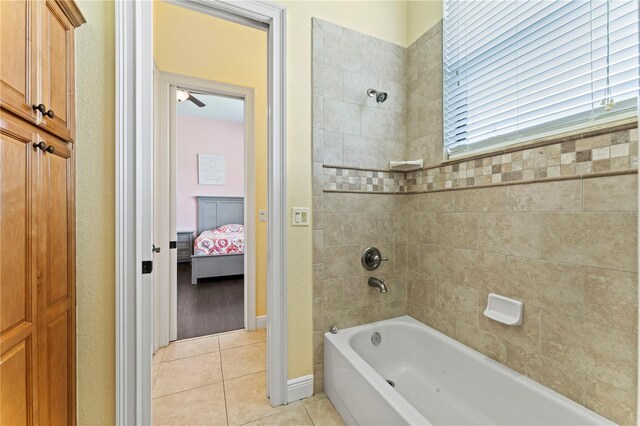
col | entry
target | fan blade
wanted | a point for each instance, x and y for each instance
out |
(195, 100)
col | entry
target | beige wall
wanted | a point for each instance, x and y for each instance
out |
(95, 142)
(193, 44)
(422, 15)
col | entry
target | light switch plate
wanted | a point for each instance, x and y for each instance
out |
(262, 215)
(300, 216)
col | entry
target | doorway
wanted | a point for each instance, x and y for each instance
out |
(134, 194)
(187, 207)
(210, 174)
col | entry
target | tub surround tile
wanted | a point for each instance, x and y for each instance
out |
(610, 401)
(479, 270)
(559, 377)
(551, 196)
(550, 285)
(590, 239)
(611, 298)
(526, 336)
(514, 234)
(611, 194)
(481, 341)
(604, 352)
(551, 224)
(458, 230)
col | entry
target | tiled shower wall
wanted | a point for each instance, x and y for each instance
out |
(351, 129)
(554, 226)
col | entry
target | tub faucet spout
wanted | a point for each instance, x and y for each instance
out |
(377, 283)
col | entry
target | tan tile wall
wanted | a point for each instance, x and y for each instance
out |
(567, 249)
(346, 224)
(350, 130)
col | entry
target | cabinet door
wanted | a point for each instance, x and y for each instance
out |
(18, 277)
(56, 70)
(17, 67)
(56, 297)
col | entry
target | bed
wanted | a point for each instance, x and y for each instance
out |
(228, 256)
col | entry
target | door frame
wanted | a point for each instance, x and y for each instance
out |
(134, 154)
(165, 282)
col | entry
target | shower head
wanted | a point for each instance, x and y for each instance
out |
(380, 96)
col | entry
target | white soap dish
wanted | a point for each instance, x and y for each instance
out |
(406, 166)
(504, 310)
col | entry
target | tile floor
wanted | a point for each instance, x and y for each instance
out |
(221, 380)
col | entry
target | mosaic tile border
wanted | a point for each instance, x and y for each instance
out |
(360, 180)
(604, 154)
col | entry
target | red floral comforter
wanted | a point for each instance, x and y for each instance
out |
(226, 239)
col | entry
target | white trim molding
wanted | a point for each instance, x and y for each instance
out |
(134, 195)
(299, 388)
(261, 321)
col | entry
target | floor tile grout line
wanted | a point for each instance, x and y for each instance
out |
(188, 356)
(245, 375)
(242, 346)
(308, 414)
(224, 387)
(186, 390)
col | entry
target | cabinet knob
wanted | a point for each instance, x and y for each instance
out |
(39, 107)
(50, 149)
(41, 145)
(43, 110)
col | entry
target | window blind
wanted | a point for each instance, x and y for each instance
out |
(517, 70)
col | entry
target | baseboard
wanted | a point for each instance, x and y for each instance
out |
(300, 387)
(261, 321)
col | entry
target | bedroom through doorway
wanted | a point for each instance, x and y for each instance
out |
(209, 213)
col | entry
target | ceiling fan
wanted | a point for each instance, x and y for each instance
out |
(183, 95)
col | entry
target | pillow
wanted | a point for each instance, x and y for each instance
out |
(232, 227)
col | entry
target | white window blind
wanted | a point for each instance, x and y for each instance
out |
(517, 70)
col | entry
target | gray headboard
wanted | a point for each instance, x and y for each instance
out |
(218, 211)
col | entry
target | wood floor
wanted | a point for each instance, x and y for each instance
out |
(213, 306)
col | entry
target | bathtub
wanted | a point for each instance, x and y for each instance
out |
(438, 381)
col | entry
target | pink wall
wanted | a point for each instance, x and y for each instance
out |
(204, 136)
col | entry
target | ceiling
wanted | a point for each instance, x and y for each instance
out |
(216, 108)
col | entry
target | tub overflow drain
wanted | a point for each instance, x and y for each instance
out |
(393, 385)
(376, 338)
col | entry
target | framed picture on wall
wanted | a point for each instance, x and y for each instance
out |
(210, 169)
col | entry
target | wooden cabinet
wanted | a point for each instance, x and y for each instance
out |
(57, 78)
(18, 70)
(18, 275)
(37, 215)
(37, 68)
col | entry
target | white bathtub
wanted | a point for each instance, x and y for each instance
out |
(438, 381)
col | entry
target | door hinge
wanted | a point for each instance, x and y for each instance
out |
(147, 266)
